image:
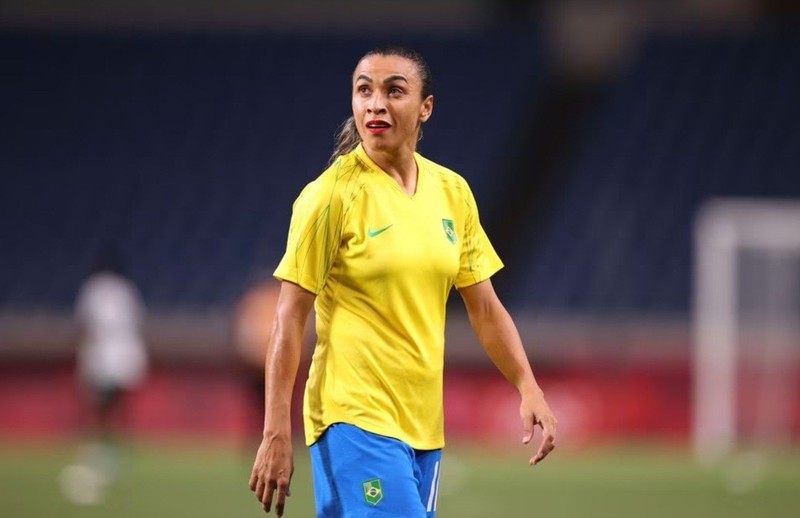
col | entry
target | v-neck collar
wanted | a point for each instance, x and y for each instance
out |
(364, 157)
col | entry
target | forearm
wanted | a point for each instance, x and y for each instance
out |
(283, 358)
(500, 339)
(280, 373)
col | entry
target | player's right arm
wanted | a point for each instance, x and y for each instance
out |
(314, 236)
(273, 467)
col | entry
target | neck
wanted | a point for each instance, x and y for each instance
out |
(398, 164)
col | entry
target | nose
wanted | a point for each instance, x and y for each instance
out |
(376, 105)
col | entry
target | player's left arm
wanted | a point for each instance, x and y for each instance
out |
(500, 339)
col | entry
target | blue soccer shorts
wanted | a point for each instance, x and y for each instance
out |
(361, 474)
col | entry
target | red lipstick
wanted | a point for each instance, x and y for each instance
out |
(377, 126)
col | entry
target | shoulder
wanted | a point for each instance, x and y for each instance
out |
(338, 184)
(449, 180)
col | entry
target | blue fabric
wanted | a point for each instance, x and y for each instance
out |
(361, 474)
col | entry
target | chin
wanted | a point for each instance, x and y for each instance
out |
(375, 143)
(380, 144)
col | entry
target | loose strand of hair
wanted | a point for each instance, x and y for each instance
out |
(347, 139)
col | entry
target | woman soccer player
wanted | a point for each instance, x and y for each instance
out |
(375, 245)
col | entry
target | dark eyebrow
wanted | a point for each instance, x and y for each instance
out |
(396, 77)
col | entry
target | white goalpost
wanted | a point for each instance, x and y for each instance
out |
(746, 324)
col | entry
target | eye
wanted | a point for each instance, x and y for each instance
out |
(363, 89)
(395, 90)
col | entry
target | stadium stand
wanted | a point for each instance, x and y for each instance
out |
(693, 118)
(188, 150)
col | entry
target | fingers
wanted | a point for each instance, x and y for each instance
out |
(544, 449)
(271, 491)
(527, 436)
(527, 427)
(548, 443)
(277, 491)
(266, 499)
(271, 474)
(261, 489)
(280, 501)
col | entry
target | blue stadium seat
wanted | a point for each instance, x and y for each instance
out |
(189, 149)
(693, 118)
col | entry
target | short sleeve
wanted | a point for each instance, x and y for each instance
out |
(314, 235)
(478, 260)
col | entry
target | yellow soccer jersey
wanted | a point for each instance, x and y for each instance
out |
(382, 264)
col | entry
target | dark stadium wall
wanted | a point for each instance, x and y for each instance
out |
(244, 15)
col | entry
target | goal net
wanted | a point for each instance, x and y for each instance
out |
(746, 351)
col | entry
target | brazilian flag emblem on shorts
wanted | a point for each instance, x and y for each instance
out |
(372, 491)
(449, 230)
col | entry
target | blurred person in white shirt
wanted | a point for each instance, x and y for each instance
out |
(111, 358)
(111, 362)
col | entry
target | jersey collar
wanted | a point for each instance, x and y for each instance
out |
(366, 160)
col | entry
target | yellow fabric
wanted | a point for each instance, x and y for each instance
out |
(382, 264)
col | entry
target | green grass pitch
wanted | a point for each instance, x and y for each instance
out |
(211, 482)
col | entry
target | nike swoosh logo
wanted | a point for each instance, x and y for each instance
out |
(373, 233)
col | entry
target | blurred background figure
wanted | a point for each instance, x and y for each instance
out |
(111, 362)
(251, 329)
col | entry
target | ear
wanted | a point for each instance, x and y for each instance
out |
(426, 110)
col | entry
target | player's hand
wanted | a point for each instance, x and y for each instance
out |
(534, 411)
(272, 472)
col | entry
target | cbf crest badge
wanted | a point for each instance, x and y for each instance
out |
(372, 491)
(449, 230)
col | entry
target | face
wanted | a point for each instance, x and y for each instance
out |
(387, 102)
